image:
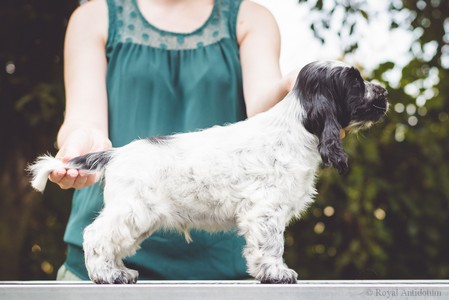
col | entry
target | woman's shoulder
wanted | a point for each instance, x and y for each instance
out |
(253, 16)
(91, 8)
(253, 10)
(91, 16)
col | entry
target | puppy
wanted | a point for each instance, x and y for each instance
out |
(254, 176)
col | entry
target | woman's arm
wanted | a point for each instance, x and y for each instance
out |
(85, 127)
(259, 40)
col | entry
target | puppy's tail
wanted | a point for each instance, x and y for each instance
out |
(45, 164)
(40, 170)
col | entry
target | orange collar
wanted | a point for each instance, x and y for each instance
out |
(342, 133)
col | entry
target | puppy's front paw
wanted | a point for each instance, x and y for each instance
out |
(291, 280)
(115, 276)
(280, 276)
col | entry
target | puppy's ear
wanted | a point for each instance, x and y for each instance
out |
(321, 120)
(331, 146)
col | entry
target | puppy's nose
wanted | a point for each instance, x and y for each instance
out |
(380, 92)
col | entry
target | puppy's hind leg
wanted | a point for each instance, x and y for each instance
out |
(116, 233)
(264, 235)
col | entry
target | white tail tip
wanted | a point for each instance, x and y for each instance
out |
(40, 170)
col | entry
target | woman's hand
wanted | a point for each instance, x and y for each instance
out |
(78, 143)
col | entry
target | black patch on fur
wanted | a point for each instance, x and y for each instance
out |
(91, 161)
(328, 93)
(333, 96)
(159, 139)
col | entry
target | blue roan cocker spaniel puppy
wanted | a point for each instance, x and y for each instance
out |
(254, 176)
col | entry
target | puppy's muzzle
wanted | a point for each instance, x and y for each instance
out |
(378, 97)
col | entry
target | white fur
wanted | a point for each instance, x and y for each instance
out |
(40, 170)
(255, 175)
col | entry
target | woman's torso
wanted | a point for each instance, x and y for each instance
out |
(159, 83)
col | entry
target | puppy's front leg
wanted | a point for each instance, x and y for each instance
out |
(264, 235)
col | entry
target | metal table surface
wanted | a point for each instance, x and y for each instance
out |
(217, 290)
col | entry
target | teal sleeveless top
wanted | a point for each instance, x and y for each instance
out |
(160, 83)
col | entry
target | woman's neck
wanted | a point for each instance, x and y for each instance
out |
(181, 16)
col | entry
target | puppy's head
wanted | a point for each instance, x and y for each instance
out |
(335, 98)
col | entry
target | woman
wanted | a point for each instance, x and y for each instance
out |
(139, 68)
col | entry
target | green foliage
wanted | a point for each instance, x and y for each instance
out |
(32, 103)
(390, 210)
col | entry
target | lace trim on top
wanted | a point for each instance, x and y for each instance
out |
(128, 25)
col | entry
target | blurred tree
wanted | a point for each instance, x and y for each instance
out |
(387, 218)
(32, 100)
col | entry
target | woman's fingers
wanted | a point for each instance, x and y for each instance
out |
(57, 175)
(68, 180)
(72, 178)
(91, 179)
(80, 181)
(84, 180)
